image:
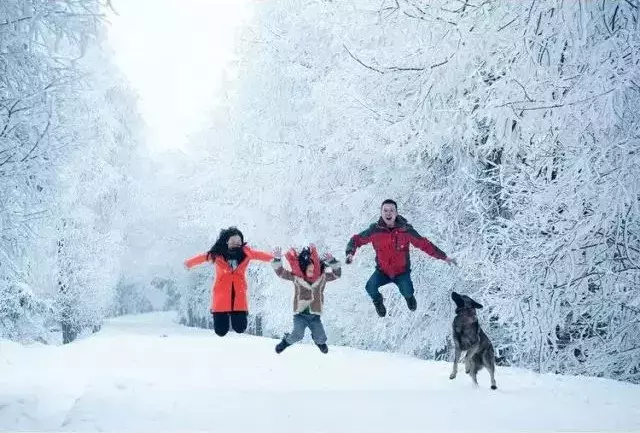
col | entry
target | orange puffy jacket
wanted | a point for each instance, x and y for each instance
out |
(229, 291)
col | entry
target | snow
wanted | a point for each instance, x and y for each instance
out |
(147, 373)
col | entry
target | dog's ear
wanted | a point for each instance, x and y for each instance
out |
(476, 304)
(457, 299)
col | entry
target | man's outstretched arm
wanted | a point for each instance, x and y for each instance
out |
(357, 241)
(427, 246)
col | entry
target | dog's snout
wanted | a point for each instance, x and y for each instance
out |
(457, 299)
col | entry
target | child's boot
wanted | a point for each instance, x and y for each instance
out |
(323, 348)
(282, 345)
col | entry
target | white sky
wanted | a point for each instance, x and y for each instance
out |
(174, 53)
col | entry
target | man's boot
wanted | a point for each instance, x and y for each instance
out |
(412, 303)
(281, 346)
(379, 304)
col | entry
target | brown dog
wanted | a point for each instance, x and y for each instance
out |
(469, 337)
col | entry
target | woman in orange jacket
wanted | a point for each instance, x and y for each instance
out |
(230, 256)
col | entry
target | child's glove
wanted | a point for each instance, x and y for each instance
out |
(327, 257)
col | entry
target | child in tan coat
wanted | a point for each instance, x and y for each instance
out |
(309, 279)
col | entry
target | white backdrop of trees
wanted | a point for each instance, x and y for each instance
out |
(506, 131)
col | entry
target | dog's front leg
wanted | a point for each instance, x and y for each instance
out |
(468, 359)
(456, 360)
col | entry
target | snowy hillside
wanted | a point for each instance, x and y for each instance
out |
(146, 373)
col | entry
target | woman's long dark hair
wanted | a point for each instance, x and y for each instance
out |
(221, 249)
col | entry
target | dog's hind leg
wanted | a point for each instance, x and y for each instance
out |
(489, 360)
(491, 371)
(456, 360)
(474, 377)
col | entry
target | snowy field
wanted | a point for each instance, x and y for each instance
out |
(147, 374)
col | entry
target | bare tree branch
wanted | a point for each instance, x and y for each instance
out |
(546, 107)
(59, 13)
(508, 24)
(526, 95)
(391, 8)
(7, 160)
(359, 61)
(7, 22)
(9, 114)
(397, 68)
(453, 23)
(46, 128)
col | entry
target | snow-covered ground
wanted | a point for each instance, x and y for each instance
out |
(148, 374)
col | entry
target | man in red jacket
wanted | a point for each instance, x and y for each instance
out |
(391, 237)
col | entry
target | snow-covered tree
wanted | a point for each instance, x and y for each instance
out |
(65, 137)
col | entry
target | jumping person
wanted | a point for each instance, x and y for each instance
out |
(391, 237)
(230, 256)
(309, 279)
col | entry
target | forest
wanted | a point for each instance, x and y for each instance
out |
(508, 133)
